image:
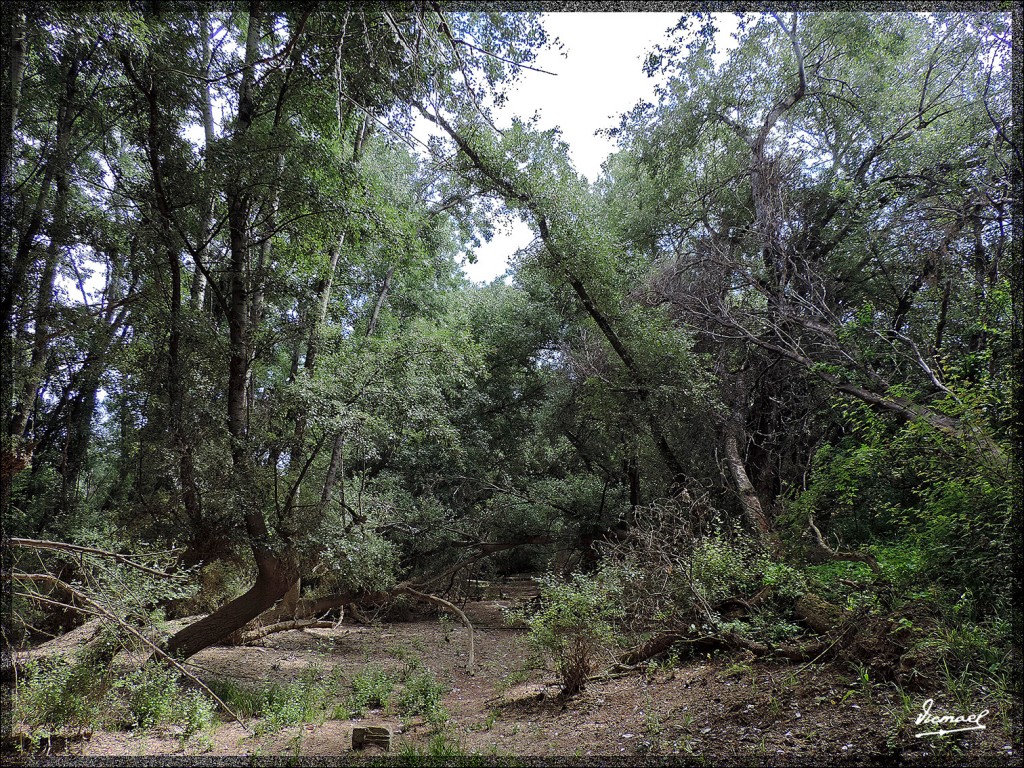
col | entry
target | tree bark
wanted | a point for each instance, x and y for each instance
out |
(371, 327)
(57, 163)
(198, 292)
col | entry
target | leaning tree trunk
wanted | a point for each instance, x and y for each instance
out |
(275, 562)
(275, 575)
(753, 512)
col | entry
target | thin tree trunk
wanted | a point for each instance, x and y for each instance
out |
(56, 165)
(198, 292)
(15, 74)
(751, 504)
(371, 327)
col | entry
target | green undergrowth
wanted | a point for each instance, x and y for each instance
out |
(57, 697)
(317, 695)
(72, 698)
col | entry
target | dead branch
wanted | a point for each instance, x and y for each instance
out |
(60, 546)
(284, 626)
(445, 604)
(834, 554)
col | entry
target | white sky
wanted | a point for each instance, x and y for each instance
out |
(600, 77)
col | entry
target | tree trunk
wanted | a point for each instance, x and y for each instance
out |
(15, 73)
(273, 580)
(198, 291)
(371, 327)
(55, 165)
(751, 504)
(275, 562)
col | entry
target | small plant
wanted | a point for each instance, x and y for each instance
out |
(492, 718)
(303, 701)
(447, 625)
(150, 696)
(422, 695)
(197, 718)
(740, 669)
(371, 689)
(55, 695)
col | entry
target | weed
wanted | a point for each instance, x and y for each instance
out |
(303, 701)
(422, 695)
(741, 669)
(447, 625)
(197, 718)
(371, 689)
(441, 746)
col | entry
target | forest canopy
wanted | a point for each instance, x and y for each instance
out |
(779, 336)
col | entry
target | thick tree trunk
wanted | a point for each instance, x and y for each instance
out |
(274, 577)
(275, 562)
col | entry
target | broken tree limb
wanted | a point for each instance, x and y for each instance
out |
(834, 554)
(731, 641)
(471, 664)
(284, 626)
(60, 546)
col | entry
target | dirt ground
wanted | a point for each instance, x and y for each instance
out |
(708, 711)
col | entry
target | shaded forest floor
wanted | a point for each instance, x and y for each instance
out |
(711, 710)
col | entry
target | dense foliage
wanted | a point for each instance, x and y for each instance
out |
(779, 332)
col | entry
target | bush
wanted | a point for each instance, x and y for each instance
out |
(721, 569)
(148, 697)
(575, 624)
(422, 695)
(371, 689)
(303, 701)
(55, 695)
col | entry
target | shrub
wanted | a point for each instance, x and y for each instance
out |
(303, 701)
(55, 695)
(575, 624)
(147, 696)
(721, 569)
(422, 695)
(371, 689)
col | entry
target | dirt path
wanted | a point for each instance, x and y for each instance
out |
(710, 710)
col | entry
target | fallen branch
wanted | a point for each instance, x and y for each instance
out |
(284, 626)
(834, 554)
(445, 604)
(729, 641)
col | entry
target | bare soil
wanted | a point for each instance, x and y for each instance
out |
(710, 711)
